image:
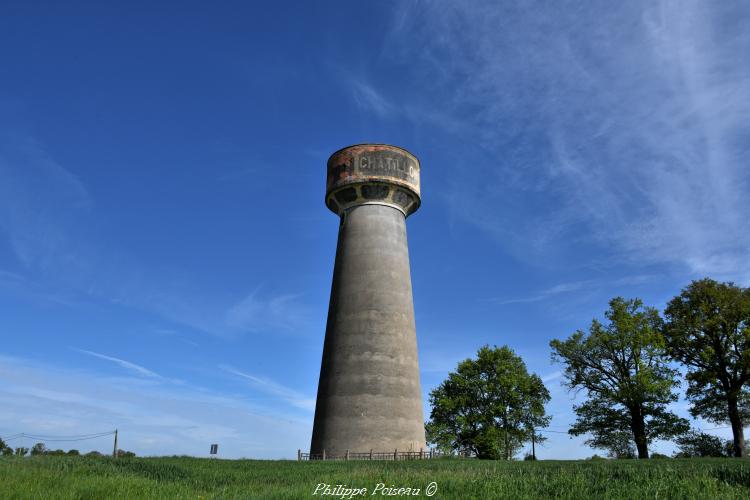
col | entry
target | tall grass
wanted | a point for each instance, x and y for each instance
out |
(46, 477)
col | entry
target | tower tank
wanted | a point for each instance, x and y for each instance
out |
(369, 395)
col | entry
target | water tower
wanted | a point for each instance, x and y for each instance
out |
(369, 396)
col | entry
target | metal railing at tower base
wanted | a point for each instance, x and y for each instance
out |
(376, 455)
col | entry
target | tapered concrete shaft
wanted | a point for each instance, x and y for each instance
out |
(369, 395)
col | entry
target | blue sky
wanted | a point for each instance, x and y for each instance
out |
(165, 253)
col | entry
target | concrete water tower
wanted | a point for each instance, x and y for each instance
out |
(369, 396)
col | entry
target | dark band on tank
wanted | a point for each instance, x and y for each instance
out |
(373, 193)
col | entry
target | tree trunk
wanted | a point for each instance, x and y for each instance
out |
(638, 426)
(738, 433)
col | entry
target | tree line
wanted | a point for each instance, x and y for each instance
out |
(41, 449)
(629, 369)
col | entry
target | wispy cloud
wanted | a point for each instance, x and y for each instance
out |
(370, 99)
(442, 359)
(153, 419)
(551, 376)
(255, 313)
(615, 286)
(44, 211)
(11, 277)
(123, 363)
(546, 293)
(617, 129)
(270, 387)
(41, 202)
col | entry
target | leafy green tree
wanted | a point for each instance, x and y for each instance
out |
(699, 444)
(74, 452)
(489, 406)
(21, 451)
(38, 449)
(622, 366)
(707, 328)
(617, 443)
(4, 446)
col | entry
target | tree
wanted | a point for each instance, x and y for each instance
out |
(489, 406)
(74, 452)
(707, 328)
(4, 446)
(700, 444)
(21, 451)
(622, 366)
(38, 449)
(618, 443)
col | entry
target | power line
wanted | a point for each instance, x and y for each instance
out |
(79, 437)
(69, 440)
(74, 436)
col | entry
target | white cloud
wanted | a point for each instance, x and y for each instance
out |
(619, 129)
(370, 99)
(38, 197)
(123, 363)
(552, 376)
(433, 361)
(255, 313)
(581, 287)
(45, 214)
(153, 419)
(270, 387)
(561, 288)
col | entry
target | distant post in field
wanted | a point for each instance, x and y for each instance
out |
(369, 393)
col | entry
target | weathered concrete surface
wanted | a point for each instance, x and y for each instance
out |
(373, 174)
(380, 162)
(369, 393)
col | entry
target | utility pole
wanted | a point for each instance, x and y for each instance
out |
(114, 451)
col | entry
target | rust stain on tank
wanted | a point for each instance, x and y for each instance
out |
(384, 163)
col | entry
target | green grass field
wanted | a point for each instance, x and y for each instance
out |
(179, 477)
